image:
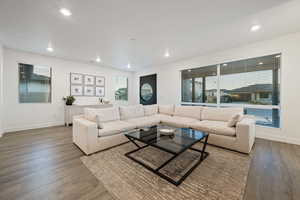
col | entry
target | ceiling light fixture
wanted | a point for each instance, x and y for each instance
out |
(65, 12)
(225, 64)
(98, 59)
(189, 70)
(50, 48)
(167, 54)
(278, 56)
(261, 63)
(128, 66)
(255, 28)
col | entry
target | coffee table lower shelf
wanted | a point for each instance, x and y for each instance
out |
(203, 155)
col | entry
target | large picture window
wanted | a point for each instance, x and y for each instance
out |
(251, 83)
(34, 84)
(121, 88)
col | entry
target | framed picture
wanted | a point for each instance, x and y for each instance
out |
(100, 81)
(100, 91)
(89, 80)
(76, 90)
(89, 91)
(76, 78)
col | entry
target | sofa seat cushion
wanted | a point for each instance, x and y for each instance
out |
(114, 127)
(215, 127)
(144, 121)
(179, 122)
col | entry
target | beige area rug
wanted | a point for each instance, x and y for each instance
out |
(222, 175)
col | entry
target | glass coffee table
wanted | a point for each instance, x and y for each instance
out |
(174, 141)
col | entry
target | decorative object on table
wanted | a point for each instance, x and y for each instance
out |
(89, 91)
(166, 131)
(89, 80)
(100, 81)
(100, 91)
(69, 100)
(76, 90)
(76, 78)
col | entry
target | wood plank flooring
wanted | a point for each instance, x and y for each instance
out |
(44, 164)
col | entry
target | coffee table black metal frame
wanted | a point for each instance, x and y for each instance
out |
(203, 155)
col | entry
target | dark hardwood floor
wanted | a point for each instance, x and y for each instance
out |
(44, 164)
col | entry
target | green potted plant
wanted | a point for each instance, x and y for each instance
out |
(69, 100)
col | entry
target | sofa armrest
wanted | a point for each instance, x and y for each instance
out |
(245, 132)
(85, 134)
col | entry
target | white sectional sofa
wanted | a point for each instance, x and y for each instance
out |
(99, 129)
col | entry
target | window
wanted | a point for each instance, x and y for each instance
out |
(252, 83)
(121, 89)
(34, 84)
(200, 85)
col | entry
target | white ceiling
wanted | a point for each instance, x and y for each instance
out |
(104, 28)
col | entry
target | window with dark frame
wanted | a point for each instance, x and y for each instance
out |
(251, 83)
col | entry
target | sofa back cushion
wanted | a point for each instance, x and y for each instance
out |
(220, 114)
(188, 111)
(104, 114)
(150, 110)
(129, 112)
(166, 109)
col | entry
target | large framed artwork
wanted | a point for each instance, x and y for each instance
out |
(76, 90)
(100, 91)
(76, 78)
(89, 91)
(89, 80)
(100, 81)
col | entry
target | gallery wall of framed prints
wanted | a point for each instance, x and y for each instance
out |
(87, 85)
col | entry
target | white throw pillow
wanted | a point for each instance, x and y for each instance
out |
(234, 120)
(150, 110)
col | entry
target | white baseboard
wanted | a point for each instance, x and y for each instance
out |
(32, 126)
(279, 138)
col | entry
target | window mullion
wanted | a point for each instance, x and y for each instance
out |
(218, 87)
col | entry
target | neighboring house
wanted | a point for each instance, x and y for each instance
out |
(257, 94)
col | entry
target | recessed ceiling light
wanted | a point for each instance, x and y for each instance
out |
(167, 54)
(225, 64)
(261, 63)
(50, 48)
(65, 12)
(255, 28)
(98, 59)
(278, 56)
(128, 66)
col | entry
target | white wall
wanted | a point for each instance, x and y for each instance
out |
(25, 116)
(169, 80)
(1, 89)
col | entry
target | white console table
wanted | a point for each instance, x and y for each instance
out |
(73, 110)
